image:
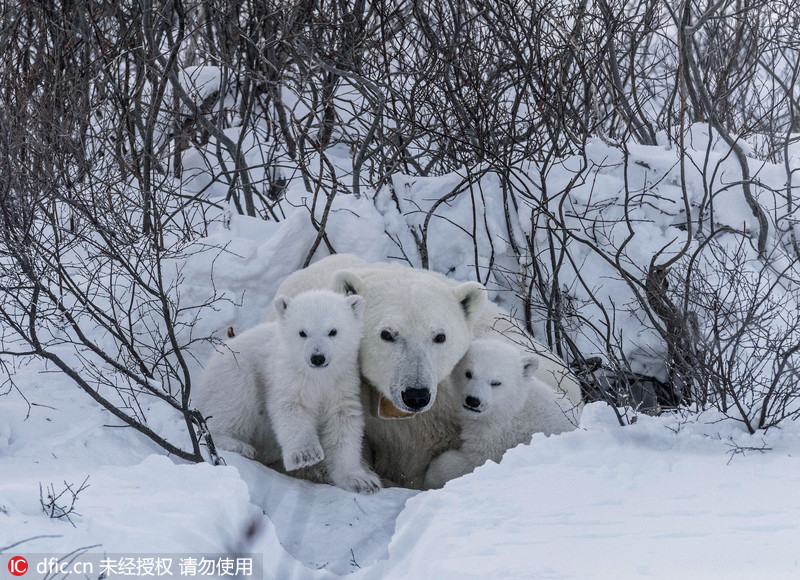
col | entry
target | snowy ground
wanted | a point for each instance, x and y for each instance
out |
(664, 498)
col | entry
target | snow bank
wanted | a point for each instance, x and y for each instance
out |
(676, 496)
(663, 498)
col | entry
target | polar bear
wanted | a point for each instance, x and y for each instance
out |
(417, 325)
(500, 404)
(290, 389)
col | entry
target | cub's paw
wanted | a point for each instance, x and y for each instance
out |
(247, 450)
(303, 457)
(231, 444)
(365, 482)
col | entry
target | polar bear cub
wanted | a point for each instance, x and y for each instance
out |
(290, 389)
(501, 404)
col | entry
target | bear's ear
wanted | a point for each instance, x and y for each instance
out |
(472, 298)
(281, 304)
(357, 303)
(529, 365)
(346, 282)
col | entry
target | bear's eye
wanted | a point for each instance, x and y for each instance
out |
(439, 338)
(332, 332)
(303, 334)
(387, 336)
(496, 383)
(469, 374)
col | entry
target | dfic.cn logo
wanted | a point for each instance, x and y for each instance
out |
(17, 565)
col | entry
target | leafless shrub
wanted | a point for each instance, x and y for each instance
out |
(747, 351)
(89, 256)
(61, 504)
(109, 113)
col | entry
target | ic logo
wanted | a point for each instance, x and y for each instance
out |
(18, 565)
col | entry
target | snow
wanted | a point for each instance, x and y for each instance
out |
(662, 498)
(680, 495)
(667, 497)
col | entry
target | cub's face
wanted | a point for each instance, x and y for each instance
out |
(322, 327)
(490, 377)
(415, 331)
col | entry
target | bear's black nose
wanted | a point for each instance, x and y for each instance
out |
(473, 402)
(317, 360)
(416, 399)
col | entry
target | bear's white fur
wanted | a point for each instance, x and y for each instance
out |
(290, 389)
(405, 365)
(500, 404)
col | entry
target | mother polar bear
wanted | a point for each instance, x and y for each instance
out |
(417, 325)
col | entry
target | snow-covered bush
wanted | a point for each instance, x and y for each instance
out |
(621, 176)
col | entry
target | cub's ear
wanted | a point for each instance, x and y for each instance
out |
(357, 303)
(472, 298)
(281, 304)
(529, 365)
(346, 282)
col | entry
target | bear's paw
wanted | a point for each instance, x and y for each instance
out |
(303, 457)
(365, 482)
(229, 443)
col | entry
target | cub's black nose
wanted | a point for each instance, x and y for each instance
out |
(473, 402)
(416, 399)
(317, 360)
